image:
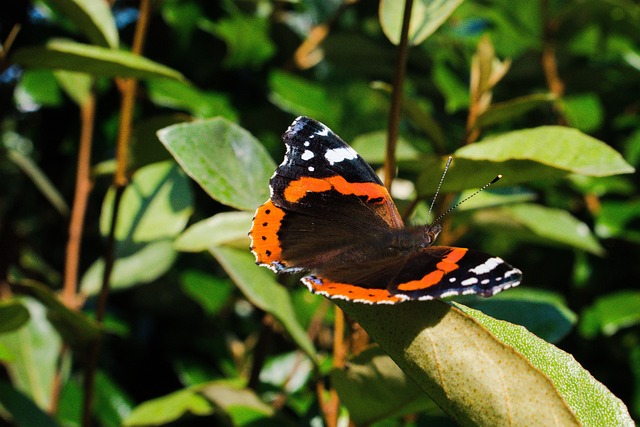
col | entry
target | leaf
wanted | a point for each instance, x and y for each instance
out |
(156, 205)
(74, 327)
(210, 292)
(483, 371)
(37, 88)
(165, 409)
(545, 225)
(541, 312)
(610, 313)
(93, 18)
(259, 287)
(13, 315)
(22, 409)
(247, 38)
(225, 159)
(614, 218)
(503, 112)
(559, 147)
(372, 147)
(112, 405)
(374, 388)
(35, 348)
(289, 371)
(426, 17)
(301, 97)
(583, 111)
(220, 229)
(147, 264)
(183, 96)
(76, 85)
(242, 404)
(94, 60)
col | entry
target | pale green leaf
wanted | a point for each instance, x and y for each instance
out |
(611, 313)
(220, 229)
(225, 159)
(171, 407)
(92, 17)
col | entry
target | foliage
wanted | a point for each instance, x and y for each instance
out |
(134, 156)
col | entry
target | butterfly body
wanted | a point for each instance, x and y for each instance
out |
(330, 216)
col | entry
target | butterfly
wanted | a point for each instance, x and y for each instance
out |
(330, 216)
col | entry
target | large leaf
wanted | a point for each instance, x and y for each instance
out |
(223, 228)
(225, 159)
(156, 205)
(426, 17)
(184, 96)
(543, 225)
(35, 348)
(260, 287)
(98, 61)
(559, 147)
(92, 17)
(483, 371)
(171, 407)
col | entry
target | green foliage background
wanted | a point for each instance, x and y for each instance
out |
(194, 333)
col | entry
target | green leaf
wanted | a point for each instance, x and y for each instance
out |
(183, 96)
(302, 97)
(93, 18)
(143, 266)
(76, 85)
(611, 313)
(372, 147)
(12, 315)
(584, 111)
(503, 112)
(221, 229)
(541, 312)
(94, 60)
(426, 17)
(37, 88)
(112, 405)
(555, 146)
(260, 287)
(74, 327)
(544, 225)
(483, 371)
(225, 159)
(35, 348)
(247, 38)
(374, 388)
(22, 409)
(614, 218)
(288, 371)
(171, 407)
(242, 405)
(156, 205)
(210, 292)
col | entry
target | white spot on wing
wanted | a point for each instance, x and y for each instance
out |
(306, 143)
(311, 168)
(307, 155)
(323, 132)
(470, 281)
(452, 279)
(486, 266)
(337, 155)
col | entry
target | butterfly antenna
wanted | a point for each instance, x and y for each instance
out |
(484, 187)
(435, 196)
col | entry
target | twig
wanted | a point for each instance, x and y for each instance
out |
(120, 180)
(395, 110)
(549, 59)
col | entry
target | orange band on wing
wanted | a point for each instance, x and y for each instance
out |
(351, 292)
(446, 265)
(265, 243)
(297, 189)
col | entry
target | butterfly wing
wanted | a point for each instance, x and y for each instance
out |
(435, 272)
(322, 195)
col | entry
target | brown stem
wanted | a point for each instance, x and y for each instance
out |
(396, 99)
(120, 180)
(79, 209)
(549, 58)
(6, 46)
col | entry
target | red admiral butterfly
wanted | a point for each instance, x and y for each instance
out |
(329, 215)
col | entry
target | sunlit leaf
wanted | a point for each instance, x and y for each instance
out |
(426, 17)
(171, 407)
(93, 18)
(217, 154)
(94, 60)
(222, 228)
